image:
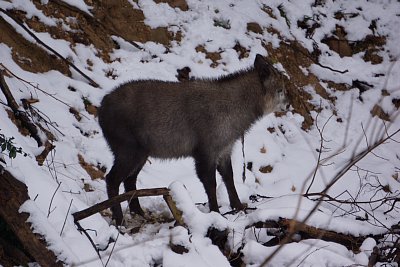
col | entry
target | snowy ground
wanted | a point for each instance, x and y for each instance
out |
(292, 152)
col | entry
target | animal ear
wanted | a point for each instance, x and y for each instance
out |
(262, 67)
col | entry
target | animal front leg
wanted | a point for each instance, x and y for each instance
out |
(206, 172)
(225, 169)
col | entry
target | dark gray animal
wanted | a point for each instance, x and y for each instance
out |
(200, 119)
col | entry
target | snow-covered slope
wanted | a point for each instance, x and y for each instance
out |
(347, 119)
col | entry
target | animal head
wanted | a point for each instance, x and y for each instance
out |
(273, 85)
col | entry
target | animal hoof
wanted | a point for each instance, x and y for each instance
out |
(118, 221)
(240, 206)
(138, 211)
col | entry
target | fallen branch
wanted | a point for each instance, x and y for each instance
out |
(310, 232)
(118, 199)
(21, 116)
(174, 210)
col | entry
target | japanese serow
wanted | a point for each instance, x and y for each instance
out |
(199, 118)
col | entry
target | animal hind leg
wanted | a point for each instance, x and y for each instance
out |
(117, 174)
(130, 184)
(224, 167)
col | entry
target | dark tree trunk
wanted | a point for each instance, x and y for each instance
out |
(18, 244)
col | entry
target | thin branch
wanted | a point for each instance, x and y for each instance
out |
(357, 158)
(66, 216)
(393, 204)
(51, 201)
(81, 229)
(334, 199)
(21, 24)
(315, 250)
(322, 139)
(338, 176)
(319, 155)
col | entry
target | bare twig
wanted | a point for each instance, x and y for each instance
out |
(322, 139)
(82, 230)
(51, 201)
(51, 166)
(66, 216)
(315, 250)
(21, 24)
(355, 159)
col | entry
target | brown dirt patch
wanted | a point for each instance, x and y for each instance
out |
(371, 45)
(27, 55)
(242, 51)
(339, 43)
(214, 56)
(378, 111)
(181, 4)
(110, 17)
(292, 55)
(94, 172)
(266, 169)
(254, 27)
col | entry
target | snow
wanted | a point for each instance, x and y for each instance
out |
(289, 150)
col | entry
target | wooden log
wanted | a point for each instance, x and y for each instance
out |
(174, 210)
(306, 232)
(13, 194)
(12, 255)
(118, 199)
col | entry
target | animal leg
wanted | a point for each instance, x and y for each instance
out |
(205, 170)
(117, 174)
(130, 184)
(224, 167)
